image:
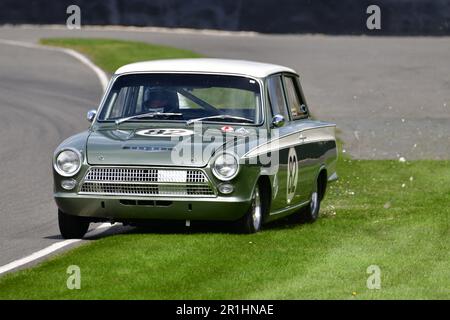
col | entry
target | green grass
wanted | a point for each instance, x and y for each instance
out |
(386, 213)
(111, 54)
(375, 215)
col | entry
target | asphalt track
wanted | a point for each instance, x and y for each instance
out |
(390, 98)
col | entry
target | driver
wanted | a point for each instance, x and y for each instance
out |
(158, 101)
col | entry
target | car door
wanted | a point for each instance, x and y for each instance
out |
(286, 191)
(301, 136)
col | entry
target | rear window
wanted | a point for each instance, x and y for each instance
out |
(276, 97)
(297, 107)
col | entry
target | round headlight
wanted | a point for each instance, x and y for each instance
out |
(225, 167)
(68, 163)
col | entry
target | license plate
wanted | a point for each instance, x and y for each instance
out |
(172, 176)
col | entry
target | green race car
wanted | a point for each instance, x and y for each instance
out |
(196, 139)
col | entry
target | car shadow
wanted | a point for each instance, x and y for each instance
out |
(178, 227)
(55, 237)
(96, 233)
(196, 227)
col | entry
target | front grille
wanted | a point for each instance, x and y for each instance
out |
(145, 190)
(122, 175)
(146, 182)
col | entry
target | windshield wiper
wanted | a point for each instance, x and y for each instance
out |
(148, 115)
(221, 116)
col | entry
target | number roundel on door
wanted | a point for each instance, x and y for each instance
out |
(292, 175)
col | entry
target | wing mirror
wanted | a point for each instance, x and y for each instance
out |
(304, 108)
(91, 115)
(278, 121)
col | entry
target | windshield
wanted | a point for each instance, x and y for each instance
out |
(183, 97)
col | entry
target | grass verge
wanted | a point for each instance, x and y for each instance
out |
(111, 54)
(382, 213)
(385, 213)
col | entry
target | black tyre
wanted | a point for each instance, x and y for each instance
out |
(252, 221)
(72, 227)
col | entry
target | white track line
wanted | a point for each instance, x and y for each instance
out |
(104, 82)
(188, 31)
(102, 76)
(50, 249)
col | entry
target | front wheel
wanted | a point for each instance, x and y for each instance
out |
(252, 221)
(72, 227)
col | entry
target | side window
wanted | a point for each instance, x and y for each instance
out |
(276, 97)
(123, 103)
(296, 105)
(117, 103)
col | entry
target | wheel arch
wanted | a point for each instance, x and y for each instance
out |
(266, 188)
(322, 181)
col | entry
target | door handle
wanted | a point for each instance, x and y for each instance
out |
(302, 138)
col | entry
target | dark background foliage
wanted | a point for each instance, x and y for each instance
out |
(399, 17)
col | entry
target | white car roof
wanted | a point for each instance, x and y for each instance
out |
(202, 65)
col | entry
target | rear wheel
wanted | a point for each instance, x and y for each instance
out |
(72, 227)
(252, 221)
(310, 213)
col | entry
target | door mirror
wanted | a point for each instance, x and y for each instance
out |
(91, 115)
(304, 109)
(278, 121)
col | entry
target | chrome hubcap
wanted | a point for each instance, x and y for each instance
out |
(314, 202)
(256, 210)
